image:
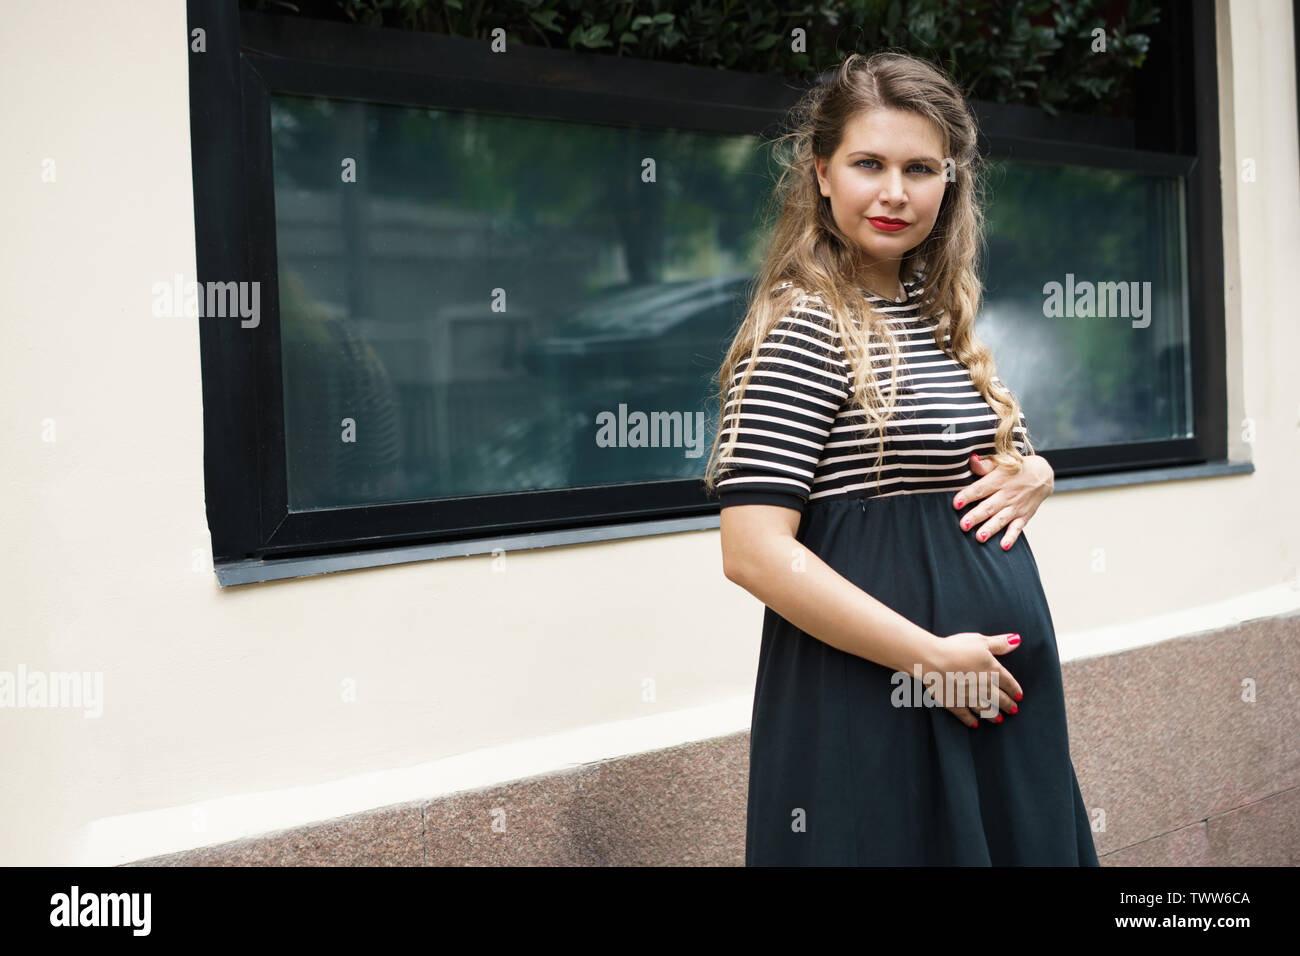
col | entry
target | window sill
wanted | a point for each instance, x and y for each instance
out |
(253, 572)
(1209, 469)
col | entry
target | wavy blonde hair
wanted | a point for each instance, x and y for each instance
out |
(810, 257)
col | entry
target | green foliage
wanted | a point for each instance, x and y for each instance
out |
(1033, 52)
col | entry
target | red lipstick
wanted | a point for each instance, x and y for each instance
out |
(886, 224)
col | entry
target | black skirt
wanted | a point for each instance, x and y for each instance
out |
(842, 775)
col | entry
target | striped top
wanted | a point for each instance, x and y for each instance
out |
(800, 441)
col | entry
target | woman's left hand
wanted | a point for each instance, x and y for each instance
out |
(1011, 498)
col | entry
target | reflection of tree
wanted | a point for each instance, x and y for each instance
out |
(1038, 216)
(636, 207)
(527, 178)
(1101, 225)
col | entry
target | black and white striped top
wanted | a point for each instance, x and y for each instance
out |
(800, 441)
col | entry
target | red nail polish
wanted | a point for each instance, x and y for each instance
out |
(1018, 696)
(981, 535)
(958, 502)
(977, 457)
(1005, 546)
(1013, 639)
(999, 720)
(965, 526)
(1014, 708)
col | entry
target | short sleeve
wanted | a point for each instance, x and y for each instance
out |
(799, 384)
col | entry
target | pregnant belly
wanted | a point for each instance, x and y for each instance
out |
(909, 552)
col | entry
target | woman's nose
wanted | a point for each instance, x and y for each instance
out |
(892, 187)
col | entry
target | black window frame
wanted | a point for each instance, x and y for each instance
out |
(249, 56)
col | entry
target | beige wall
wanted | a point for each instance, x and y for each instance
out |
(222, 711)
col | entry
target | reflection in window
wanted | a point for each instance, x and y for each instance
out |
(1089, 378)
(461, 318)
(475, 303)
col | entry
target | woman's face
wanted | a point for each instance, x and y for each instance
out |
(889, 164)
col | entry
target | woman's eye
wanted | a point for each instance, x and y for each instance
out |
(915, 166)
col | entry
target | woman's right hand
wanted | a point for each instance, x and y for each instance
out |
(969, 658)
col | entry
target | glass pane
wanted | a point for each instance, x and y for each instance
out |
(1088, 368)
(492, 303)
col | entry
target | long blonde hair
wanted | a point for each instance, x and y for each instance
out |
(809, 257)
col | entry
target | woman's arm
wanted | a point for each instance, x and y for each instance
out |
(760, 553)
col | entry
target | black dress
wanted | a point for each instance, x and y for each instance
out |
(839, 775)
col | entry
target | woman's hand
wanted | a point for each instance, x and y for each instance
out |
(1011, 497)
(963, 675)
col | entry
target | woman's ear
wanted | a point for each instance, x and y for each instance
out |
(819, 170)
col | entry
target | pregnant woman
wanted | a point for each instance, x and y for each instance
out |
(908, 708)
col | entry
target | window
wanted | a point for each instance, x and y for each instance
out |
(495, 288)
(493, 302)
(1104, 277)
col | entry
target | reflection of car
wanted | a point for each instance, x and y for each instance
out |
(650, 348)
(673, 329)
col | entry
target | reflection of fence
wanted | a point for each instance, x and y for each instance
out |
(418, 423)
(480, 437)
(331, 376)
(519, 434)
(592, 464)
(494, 427)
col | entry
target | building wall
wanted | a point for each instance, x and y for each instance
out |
(224, 713)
